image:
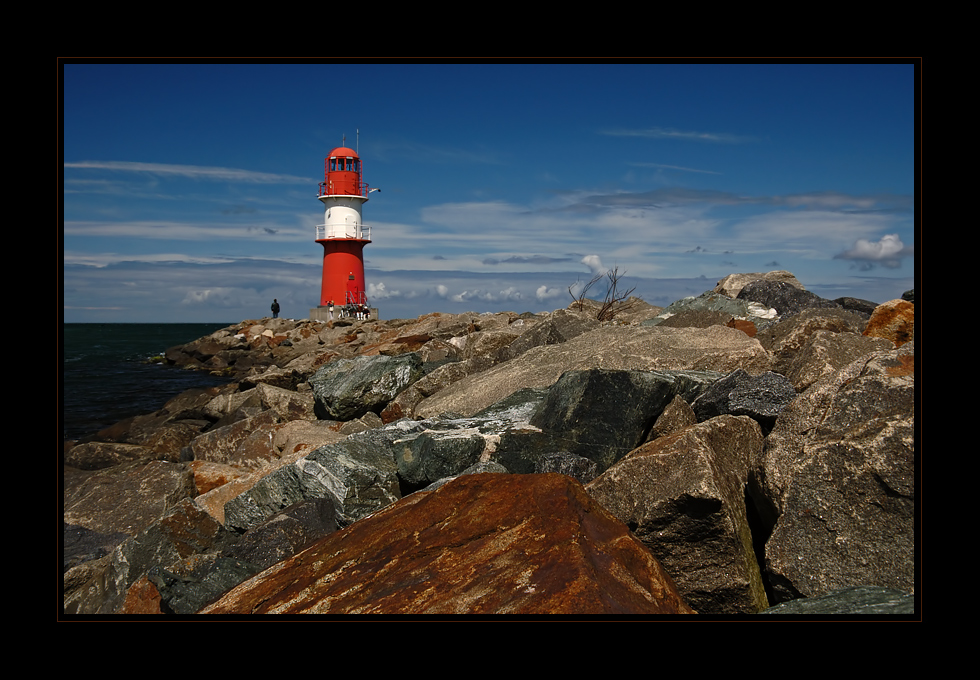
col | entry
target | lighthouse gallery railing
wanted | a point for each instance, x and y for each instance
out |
(352, 231)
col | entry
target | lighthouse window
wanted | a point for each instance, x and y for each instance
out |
(333, 164)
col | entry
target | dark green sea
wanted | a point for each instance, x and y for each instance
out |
(105, 376)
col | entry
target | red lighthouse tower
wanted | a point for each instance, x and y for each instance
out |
(342, 234)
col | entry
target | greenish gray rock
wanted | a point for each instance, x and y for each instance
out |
(856, 601)
(348, 388)
(759, 314)
(604, 414)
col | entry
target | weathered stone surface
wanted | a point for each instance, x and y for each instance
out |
(348, 388)
(436, 448)
(604, 414)
(403, 405)
(761, 397)
(481, 544)
(283, 378)
(559, 326)
(675, 417)
(432, 455)
(213, 501)
(487, 348)
(612, 347)
(186, 530)
(188, 593)
(100, 455)
(286, 533)
(732, 285)
(564, 463)
(209, 476)
(857, 601)
(142, 598)
(357, 474)
(247, 443)
(856, 305)
(683, 496)
(836, 482)
(787, 338)
(893, 320)
(299, 435)
(784, 297)
(696, 318)
(760, 315)
(826, 353)
(82, 545)
(126, 498)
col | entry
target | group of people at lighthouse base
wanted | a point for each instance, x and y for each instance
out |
(351, 311)
(348, 311)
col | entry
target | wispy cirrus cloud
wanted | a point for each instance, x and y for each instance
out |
(190, 171)
(681, 168)
(168, 230)
(681, 135)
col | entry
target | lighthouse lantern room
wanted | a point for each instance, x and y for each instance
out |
(343, 234)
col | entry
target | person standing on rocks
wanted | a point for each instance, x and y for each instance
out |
(275, 308)
(331, 310)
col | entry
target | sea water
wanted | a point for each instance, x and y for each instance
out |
(107, 374)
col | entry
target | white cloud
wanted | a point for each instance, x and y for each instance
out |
(887, 251)
(213, 297)
(191, 171)
(507, 295)
(594, 263)
(544, 293)
(377, 291)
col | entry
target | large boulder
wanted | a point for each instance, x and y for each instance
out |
(99, 455)
(683, 496)
(358, 474)
(246, 444)
(835, 487)
(782, 296)
(126, 498)
(732, 285)
(894, 320)
(286, 533)
(826, 353)
(603, 414)
(612, 347)
(710, 308)
(348, 388)
(184, 531)
(761, 397)
(480, 544)
(559, 326)
(786, 338)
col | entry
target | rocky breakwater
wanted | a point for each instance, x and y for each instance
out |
(749, 447)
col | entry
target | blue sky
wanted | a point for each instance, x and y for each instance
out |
(189, 190)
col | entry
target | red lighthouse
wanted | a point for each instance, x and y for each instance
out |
(342, 234)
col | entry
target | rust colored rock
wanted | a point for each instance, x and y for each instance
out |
(743, 325)
(894, 320)
(480, 544)
(209, 476)
(141, 598)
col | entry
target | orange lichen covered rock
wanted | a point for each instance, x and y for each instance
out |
(480, 544)
(894, 320)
